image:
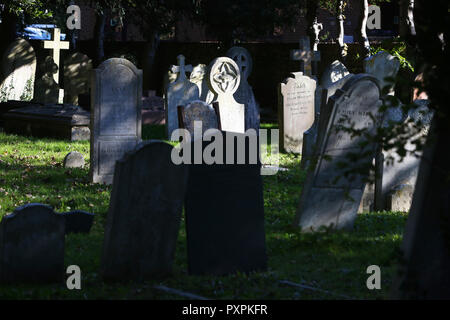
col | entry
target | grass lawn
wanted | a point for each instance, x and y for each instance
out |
(31, 171)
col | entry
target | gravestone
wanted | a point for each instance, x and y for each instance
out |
(224, 211)
(18, 72)
(399, 175)
(144, 214)
(425, 261)
(383, 66)
(32, 245)
(200, 112)
(56, 45)
(77, 73)
(333, 73)
(329, 197)
(295, 110)
(115, 115)
(73, 159)
(46, 89)
(179, 93)
(52, 121)
(305, 56)
(224, 78)
(244, 93)
(78, 221)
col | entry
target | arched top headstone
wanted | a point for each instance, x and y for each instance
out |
(113, 62)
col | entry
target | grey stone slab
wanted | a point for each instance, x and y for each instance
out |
(32, 245)
(144, 214)
(116, 119)
(74, 159)
(332, 192)
(296, 108)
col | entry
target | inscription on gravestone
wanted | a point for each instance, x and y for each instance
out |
(332, 192)
(115, 115)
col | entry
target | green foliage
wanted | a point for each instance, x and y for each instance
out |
(397, 49)
(31, 171)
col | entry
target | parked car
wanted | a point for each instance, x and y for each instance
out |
(39, 32)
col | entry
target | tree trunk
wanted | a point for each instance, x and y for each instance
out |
(149, 64)
(99, 37)
(363, 39)
(340, 39)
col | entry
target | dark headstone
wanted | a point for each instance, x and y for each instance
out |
(115, 115)
(329, 197)
(52, 121)
(32, 245)
(144, 214)
(78, 221)
(224, 210)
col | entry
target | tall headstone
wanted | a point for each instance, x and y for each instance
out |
(144, 214)
(224, 78)
(77, 73)
(305, 56)
(224, 211)
(244, 93)
(295, 110)
(18, 72)
(32, 245)
(179, 93)
(332, 192)
(116, 101)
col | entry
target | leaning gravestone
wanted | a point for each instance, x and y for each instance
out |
(18, 72)
(32, 245)
(179, 93)
(329, 198)
(224, 210)
(224, 78)
(295, 110)
(244, 93)
(115, 115)
(77, 73)
(144, 214)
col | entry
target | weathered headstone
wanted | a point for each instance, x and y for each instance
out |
(383, 66)
(179, 93)
(144, 214)
(224, 211)
(244, 93)
(77, 73)
(32, 245)
(115, 115)
(333, 73)
(46, 89)
(18, 72)
(224, 78)
(332, 192)
(295, 110)
(74, 159)
(200, 112)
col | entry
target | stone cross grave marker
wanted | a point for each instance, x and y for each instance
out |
(296, 110)
(32, 245)
(224, 78)
(115, 115)
(179, 93)
(329, 198)
(305, 55)
(244, 93)
(144, 214)
(56, 46)
(18, 72)
(224, 211)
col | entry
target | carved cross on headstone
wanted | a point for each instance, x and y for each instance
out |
(305, 55)
(56, 45)
(181, 68)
